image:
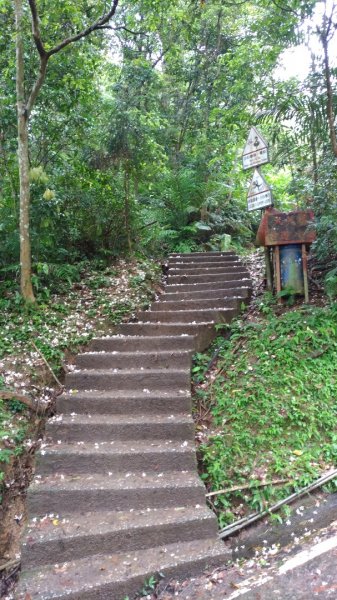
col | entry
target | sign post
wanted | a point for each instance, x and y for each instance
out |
(259, 193)
(255, 152)
(259, 196)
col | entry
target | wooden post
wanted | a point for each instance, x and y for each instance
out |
(278, 272)
(305, 273)
(269, 269)
(267, 260)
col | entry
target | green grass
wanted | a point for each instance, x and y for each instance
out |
(273, 406)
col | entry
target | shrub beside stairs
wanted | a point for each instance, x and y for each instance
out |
(117, 497)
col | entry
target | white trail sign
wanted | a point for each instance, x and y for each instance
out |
(255, 152)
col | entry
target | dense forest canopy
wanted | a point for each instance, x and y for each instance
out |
(136, 134)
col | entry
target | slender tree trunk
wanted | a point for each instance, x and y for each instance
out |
(329, 94)
(127, 207)
(313, 141)
(24, 109)
(136, 185)
(314, 157)
(23, 159)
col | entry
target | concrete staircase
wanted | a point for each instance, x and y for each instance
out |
(117, 497)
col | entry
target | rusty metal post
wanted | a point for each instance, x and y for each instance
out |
(305, 273)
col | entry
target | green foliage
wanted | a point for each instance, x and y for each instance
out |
(289, 294)
(325, 207)
(273, 406)
(150, 585)
(12, 433)
(154, 135)
(266, 303)
(135, 140)
(55, 277)
(331, 283)
(200, 366)
(303, 153)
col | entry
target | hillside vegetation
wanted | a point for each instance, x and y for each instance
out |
(271, 407)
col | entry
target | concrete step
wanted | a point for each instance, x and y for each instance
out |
(106, 427)
(117, 456)
(207, 292)
(78, 535)
(217, 315)
(127, 402)
(230, 274)
(196, 269)
(200, 303)
(134, 360)
(115, 576)
(126, 379)
(210, 285)
(200, 255)
(120, 472)
(62, 494)
(214, 262)
(203, 332)
(118, 343)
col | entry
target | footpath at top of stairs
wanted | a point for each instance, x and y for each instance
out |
(116, 497)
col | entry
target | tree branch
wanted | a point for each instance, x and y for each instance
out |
(285, 8)
(330, 21)
(33, 405)
(78, 36)
(123, 28)
(239, 488)
(48, 365)
(44, 55)
(161, 55)
(36, 29)
(38, 83)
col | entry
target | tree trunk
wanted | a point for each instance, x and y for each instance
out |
(24, 108)
(23, 159)
(136, 185)
(313, 142)
(314, 155)
(329, 94)
(127, 207)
